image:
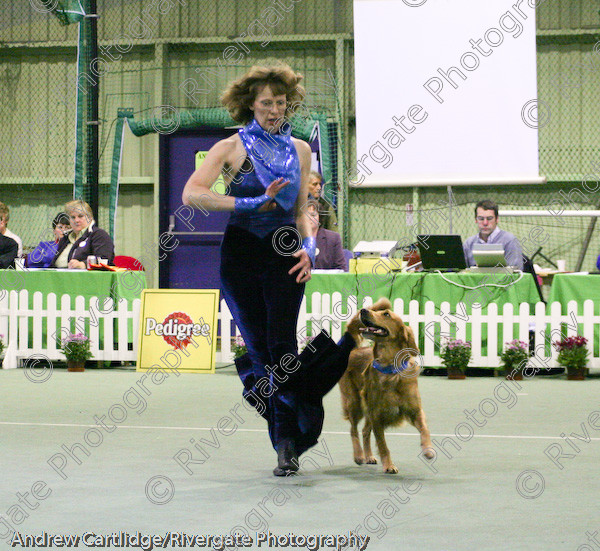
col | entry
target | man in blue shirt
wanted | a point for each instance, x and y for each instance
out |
(486, 216)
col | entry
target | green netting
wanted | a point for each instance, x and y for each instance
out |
(189, 119)
(79, 186)
(114, 173)
(302, 127)
(67, 11)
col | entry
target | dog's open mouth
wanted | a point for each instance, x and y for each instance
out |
(372, 329)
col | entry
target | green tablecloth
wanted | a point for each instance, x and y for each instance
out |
(430, 286)
(567, 287)
(116, 285)
(423, 287)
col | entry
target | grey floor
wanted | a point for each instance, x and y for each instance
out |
(498, 490)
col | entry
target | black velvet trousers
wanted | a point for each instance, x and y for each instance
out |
(287, 389)
(264, 301)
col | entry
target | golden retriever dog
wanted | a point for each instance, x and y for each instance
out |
(380, 383)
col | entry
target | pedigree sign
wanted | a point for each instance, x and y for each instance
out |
(178, 330)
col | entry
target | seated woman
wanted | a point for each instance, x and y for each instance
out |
(326, 210)
(84, 240)
(8, 252)
(329, 251)
(44, 253)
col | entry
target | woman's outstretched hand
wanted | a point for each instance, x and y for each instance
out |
(272, 190)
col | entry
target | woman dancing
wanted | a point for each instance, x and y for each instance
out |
(266, 257)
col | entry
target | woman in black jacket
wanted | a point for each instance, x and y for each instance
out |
(85, 239)
(8, 251)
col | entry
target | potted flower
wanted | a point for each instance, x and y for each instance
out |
(456, 356)
(572, 354)
(241, 357)
(514, 358)
(239, 347)
(76, 348)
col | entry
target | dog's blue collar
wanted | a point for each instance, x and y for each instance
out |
(390, 369)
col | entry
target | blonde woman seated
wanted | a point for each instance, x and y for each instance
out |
(84, 239)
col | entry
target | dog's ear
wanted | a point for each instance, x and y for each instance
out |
(409, 340)
(382, 304)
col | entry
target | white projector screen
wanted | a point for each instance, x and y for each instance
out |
(446, 92)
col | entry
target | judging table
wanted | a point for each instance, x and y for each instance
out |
(454, 288)
(116, 285)
(577, 287)
(430, 286)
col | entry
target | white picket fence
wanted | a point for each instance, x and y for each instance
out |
(34, 333)
(31, 332)
(330, 313)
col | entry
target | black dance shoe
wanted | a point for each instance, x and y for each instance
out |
(287, 458)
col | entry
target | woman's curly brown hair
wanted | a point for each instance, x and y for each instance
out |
(240, 94)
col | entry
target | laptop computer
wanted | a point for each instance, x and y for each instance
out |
(489, 255)
(441, 252)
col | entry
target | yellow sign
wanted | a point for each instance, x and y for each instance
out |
(178, 330)
(219, 186)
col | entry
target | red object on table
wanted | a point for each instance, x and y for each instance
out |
(129, 263)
